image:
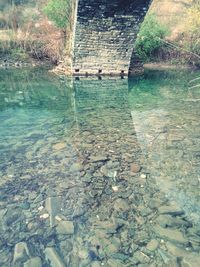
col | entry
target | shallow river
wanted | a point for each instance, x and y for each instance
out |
(99, 172)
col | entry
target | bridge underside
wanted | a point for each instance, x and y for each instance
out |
(105, 33)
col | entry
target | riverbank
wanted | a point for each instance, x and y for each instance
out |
(25, 61)
(22, 60)
(168, 66)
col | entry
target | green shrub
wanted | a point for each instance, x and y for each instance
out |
(150, 38)
(58, 12)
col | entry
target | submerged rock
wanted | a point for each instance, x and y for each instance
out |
(96, 264)
(171, 234)
(25, 205)
(173, 209)
(53, 257)
(13, 216)
(108, 226)
(52, 205)
(106, 172)
(165, 257)
(176, 251)
(98, 158)
(141, 257)
(191, 261)
(153, 245)
(79, 211)
(2, 214)
(21, 252)
(115, 263)
(33, 262)
(59, 146)
(87, 178)
(76, 167)
(112, 248)
(121, 205)
(171, 221)
(135, 167)
(65, 228)
(83, 254)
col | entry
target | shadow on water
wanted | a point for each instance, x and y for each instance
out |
(165, 113)
(99, 171)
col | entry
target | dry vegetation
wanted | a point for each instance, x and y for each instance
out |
(26, 30)
(182, 17)
(172, 13)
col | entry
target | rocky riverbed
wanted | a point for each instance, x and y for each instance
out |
(95, 183)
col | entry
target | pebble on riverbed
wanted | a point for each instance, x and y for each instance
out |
(153, 245)
(52, 256)
(33, 262)
(193, 260)
(44, 216)
(171, 234)
(76, 167)
(65, 228)
(121, 205)
(135, 168)
(115, 188)
(59, 146)
(21, 252)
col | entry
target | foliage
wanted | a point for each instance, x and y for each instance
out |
(150, 37)
(58, 11)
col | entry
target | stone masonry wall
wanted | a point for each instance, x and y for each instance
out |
(105, 33)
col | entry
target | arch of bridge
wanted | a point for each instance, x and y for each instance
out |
(104, 35)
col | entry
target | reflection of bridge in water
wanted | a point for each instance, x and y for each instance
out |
(101, 106)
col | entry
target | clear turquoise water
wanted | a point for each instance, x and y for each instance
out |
(99, 172)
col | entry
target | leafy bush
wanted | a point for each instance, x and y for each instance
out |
(150, 38)
(58, 12)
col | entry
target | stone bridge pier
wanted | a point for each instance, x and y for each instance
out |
(104, 36)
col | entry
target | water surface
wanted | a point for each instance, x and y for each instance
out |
(99, 172)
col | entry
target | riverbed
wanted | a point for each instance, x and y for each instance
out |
(99, 171)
